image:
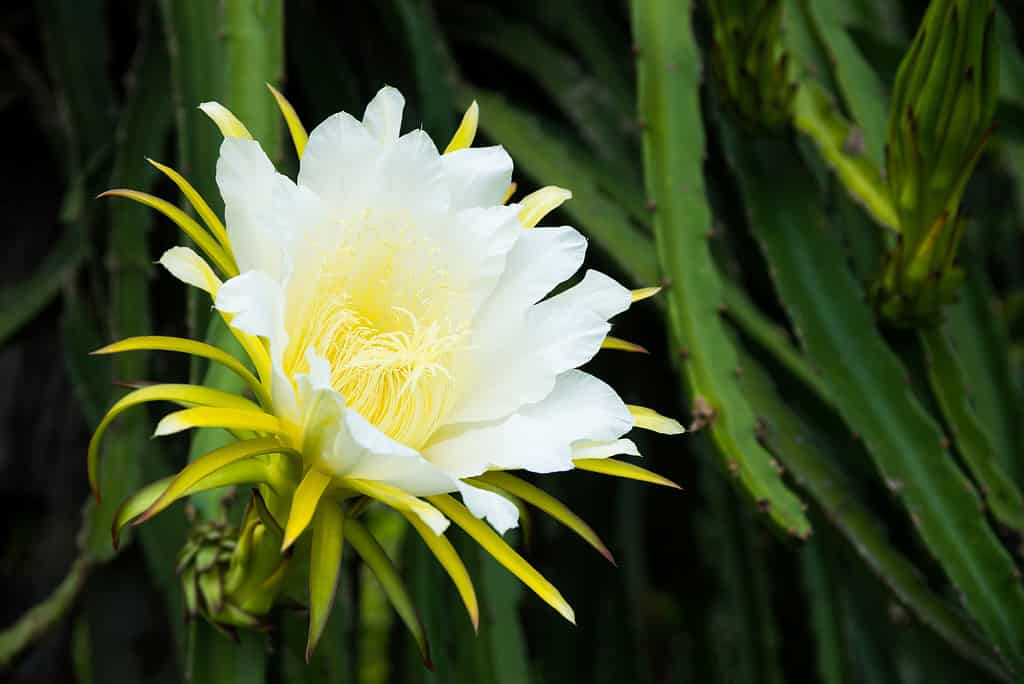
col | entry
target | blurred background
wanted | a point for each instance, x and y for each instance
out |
(708, 588)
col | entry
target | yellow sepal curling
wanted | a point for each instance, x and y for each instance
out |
(295, 127)
(622, 345)
(503, 553)
(649, 419)
(213, 223)
(466, 131)
(304, 503)
(324, 569)
(540, 203)
(644, 293)
(623, 469)
(449, 559)
(221, 259)
(228, 123)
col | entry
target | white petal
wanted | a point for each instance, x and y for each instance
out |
(410, 177)
(540, 259)
(521, 369)
(257, 304)
(339, 161)
(596, 292)
(539, 437)
(188, 267)
(480, 240)
(383, 459)
(583, 407)
(256, 301)
(478, 176)
(346, 444)
(514, 442)
(383, 116)
(501, 513)
(258, 207)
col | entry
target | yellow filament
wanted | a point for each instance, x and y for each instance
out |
(391, 365)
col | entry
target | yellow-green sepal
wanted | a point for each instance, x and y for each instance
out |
(213, 462)
(206, 242)
(193, 395)
(304, 503)
(503, 553)
(219, 417)
(324, 568)
(384, 570)
(195, 348)
(198, 203)
(291, 118)
(134, 505)
(449, 559)
(623, 469)
(556, 509)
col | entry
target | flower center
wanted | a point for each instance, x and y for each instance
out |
(383, 325)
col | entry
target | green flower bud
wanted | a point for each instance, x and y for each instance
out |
(232, 576)
(943, 103)
(749, 62)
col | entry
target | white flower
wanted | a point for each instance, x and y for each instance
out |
(404, 303)
(399, 317)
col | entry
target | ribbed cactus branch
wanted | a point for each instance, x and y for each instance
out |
(669, 73)
(908, 447)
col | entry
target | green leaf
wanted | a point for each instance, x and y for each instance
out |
(980, 337)
(669, 79)
(144, 123)
(770, 336)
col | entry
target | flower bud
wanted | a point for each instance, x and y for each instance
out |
(231, 576)
(749, 62)
(943, 103)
